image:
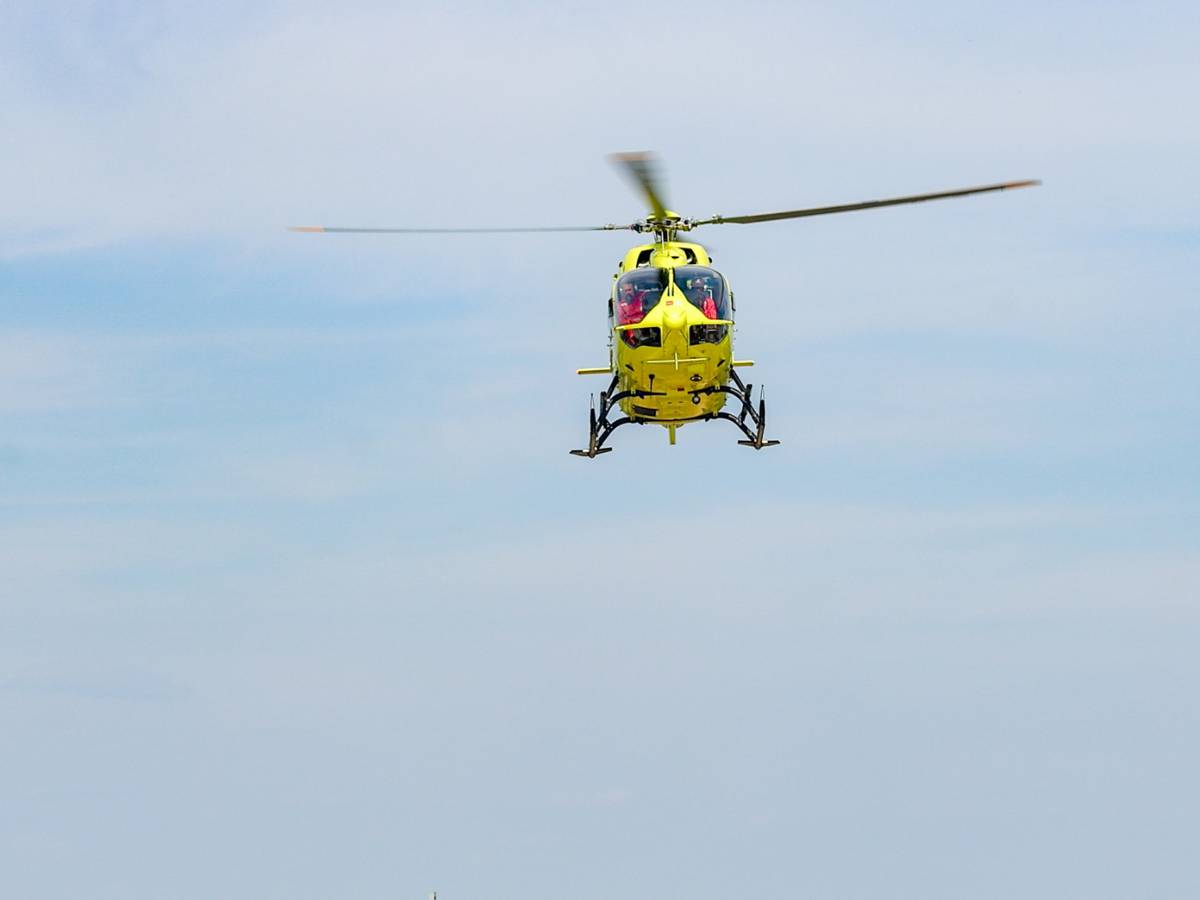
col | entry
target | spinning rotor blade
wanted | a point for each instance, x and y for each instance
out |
(851, 207)
(321, 229)
(643, 171)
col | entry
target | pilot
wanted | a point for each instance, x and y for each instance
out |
(630, 305)
(701, 297)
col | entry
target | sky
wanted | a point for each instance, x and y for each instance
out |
(302, 596)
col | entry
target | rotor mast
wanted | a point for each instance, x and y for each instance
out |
(663, 228)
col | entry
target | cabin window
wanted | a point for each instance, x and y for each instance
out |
(707, 334)
(642, 337)
(705, 289)
(637, 293)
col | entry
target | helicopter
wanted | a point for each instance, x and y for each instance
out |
(671, 315)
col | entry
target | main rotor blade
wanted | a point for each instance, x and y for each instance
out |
(869, 204)
(642, 169)
(321, 229)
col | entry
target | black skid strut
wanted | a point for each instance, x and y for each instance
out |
(600, 426)
(759, 417)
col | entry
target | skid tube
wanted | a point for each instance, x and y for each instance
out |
(600, 427)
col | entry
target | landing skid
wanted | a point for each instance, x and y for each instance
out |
(600, 427)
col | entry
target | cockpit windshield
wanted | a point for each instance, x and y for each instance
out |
(638, 292)
(704, 289)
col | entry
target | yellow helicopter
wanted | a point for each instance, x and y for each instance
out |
(671, 316)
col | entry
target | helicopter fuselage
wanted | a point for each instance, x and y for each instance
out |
(671, 325)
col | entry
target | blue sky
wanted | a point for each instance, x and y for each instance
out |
(302, 595)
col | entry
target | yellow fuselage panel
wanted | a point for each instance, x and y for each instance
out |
(668, 255)
(678, 368)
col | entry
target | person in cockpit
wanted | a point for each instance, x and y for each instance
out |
(700, 296)
(630, 305)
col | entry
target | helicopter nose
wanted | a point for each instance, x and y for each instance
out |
(675, 329)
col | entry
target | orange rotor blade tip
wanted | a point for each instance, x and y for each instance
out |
(309, 229)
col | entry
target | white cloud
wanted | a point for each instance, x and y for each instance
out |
(170, 122)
